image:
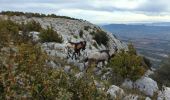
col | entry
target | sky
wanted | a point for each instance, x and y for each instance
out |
(97, 11)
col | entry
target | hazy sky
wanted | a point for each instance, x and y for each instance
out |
(97, 11)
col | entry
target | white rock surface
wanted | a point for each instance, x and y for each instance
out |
(131, 97)
(34, 36)
(148, 72)
(79, 75)
(115, 92)
(164, 94)
(128, 84)
(147, 98)
(146, 85)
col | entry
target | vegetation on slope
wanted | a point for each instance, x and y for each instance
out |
(127, 65)
(49, 35)
(100, 37)
(25, 75)
(30, 26)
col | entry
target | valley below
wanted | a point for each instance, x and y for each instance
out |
(150, 41)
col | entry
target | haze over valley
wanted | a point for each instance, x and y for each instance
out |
(151, 40)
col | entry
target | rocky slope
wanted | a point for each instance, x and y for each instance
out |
(70, 31)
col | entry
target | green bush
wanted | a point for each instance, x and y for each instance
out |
(8, 32)
(146, 62)
(81, 33)
(132, 50)
(162, 74)
(49, 35)
(101, 37)
(128, 65)
(31, 26)
(86, 28)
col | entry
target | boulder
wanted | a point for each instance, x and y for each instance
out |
(146, 85)
(115, 92)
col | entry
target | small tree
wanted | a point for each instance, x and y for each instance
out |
(128, 65)
(30, 26)
(101, 37)
(49, 35)
(131, 48)
(81, 33)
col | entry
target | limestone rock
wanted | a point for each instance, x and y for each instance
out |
(131, 97)
(146, 85)
(115, 92)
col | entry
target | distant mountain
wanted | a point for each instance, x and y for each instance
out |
(151, 40)
(159, 24)
(161, 32)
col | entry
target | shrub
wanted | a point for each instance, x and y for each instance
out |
(31, 26)
(92, 33)
(101, 37)
(86, 28)
(162, 74)
(8, 32)
(81, 33)
(128, 65)
(132, 50)
(146, 62)
(49, 35)
(75, 36)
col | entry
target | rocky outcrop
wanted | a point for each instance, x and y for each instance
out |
(145, 84)
(115, 92)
